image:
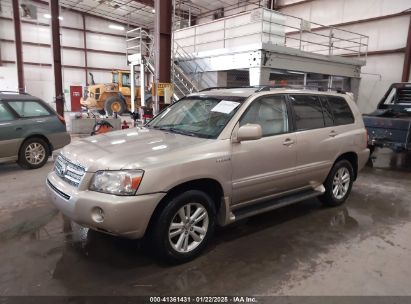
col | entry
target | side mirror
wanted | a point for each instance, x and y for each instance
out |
(249, 132)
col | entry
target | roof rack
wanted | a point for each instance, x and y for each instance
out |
(14, 92)
(298, 87)
(229, 87)
(262, 88)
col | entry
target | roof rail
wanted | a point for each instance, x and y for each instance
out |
(14, 92)
(262, 88)
(229, 87)
(299, 87)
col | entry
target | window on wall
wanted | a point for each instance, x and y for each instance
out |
(270, 113)
(28, 108)
(5, 115)
(341, 110)
(308, 112)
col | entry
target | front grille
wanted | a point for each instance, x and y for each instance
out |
(61, 193)
(70, 172)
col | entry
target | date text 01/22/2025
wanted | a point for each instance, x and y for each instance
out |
(203, 299)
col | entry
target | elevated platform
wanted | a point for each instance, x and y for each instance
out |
(263, 39)
(260, 55)
(257, 43)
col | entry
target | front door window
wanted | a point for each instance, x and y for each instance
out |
(270, 113)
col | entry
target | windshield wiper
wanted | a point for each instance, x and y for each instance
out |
(178, 131)
(174, 130)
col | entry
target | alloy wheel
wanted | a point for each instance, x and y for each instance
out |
(188, 227)
(341, 183)
(35, 153)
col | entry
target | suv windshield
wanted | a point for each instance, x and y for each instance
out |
(197, 116)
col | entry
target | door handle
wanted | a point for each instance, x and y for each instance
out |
(288, 142)
(19, 128)
(333, 133)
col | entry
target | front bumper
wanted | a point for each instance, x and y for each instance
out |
(126, 216)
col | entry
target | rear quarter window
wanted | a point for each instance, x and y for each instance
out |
(29, 108)
(340, 110)
(5, 115)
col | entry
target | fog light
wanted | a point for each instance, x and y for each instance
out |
(97, 214)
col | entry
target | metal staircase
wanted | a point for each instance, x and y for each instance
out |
(186, 77)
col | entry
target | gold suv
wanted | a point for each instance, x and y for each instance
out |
(212, 158)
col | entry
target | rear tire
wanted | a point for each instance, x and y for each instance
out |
(338, 184)
(33, 153)
(115, 104)
(183, 228)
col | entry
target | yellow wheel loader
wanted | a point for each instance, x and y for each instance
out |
(112, 97)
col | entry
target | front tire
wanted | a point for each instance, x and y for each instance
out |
(114, 104)
(183, 228)
(33, 153)
(338, 184)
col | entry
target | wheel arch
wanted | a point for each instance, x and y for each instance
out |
(209, 186)
(43, 137)
(123, 99)
(352, 157)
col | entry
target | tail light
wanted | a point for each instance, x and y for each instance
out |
(61, 118)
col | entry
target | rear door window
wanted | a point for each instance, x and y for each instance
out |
(327, 112)
(308, 112)
(341, 110)
(5, 115)
(28, 108)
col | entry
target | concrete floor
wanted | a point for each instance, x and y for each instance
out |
(361, 248)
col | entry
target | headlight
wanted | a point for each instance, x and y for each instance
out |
(123, 182)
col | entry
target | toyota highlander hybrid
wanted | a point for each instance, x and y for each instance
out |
(212, 158)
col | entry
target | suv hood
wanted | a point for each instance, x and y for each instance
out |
(135, 148)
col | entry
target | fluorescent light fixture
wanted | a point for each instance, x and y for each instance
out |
(116, 27)
(48, 16)
(294, 72)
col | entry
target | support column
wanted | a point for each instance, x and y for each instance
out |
(132, 87)
(330, 82)
(407, 57)
(85, 47)
(142, 84)
(55, 40)
(19, 49)
(162, 38)
(355, 87)
(259, 76)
